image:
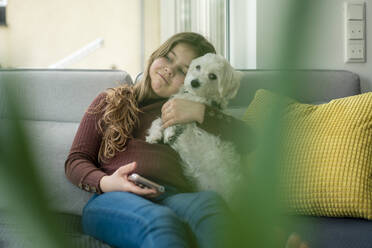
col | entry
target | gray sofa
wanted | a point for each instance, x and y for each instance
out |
(55, 100)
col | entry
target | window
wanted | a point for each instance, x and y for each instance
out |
(3, 4)
(207, 17)
(242, 34)
(229, 24)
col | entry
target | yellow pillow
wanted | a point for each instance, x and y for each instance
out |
(328, 153)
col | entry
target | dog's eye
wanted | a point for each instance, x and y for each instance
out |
(198, 67)
(212, 76)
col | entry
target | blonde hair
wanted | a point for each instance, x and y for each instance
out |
(121, 112)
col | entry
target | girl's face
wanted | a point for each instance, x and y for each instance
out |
(168, 73)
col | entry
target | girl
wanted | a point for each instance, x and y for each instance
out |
(110, 145)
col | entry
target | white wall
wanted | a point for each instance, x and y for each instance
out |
(151, 29)
(323, 43)
(42, 32)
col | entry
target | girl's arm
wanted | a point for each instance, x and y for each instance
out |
(211, 120)
(229, 129)
(81, 165)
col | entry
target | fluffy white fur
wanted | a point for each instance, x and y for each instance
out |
(209, 161)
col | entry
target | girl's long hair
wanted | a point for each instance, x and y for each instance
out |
(120, 114)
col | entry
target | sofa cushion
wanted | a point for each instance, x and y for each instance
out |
(331, 232)
(13, 236)
(326, 153)
(50, 143)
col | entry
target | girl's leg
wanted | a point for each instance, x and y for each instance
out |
(123, 219)
(206, 213)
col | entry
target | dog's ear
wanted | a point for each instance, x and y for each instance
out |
(229, 84)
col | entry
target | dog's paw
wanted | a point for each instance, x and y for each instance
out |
(155, 133)
(153, 139)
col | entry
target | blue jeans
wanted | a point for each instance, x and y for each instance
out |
(123, 219)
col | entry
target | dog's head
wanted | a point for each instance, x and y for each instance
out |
(212, 77)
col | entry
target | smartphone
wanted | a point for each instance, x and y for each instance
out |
(143, 182)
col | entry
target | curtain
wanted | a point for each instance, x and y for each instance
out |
(207, 17)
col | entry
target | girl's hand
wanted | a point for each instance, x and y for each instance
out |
(294, 241)
(176, 111)
(119, 182)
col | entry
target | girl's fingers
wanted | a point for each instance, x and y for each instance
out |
(154, 195)
(304, 245)
(127, 169)
(169, 123)
(140, 191)
(165, 116)
(165, 110)
(166, 107)
(294, 241)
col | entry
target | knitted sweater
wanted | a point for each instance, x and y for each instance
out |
(158, 162)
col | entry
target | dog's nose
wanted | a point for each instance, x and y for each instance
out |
(195, 83)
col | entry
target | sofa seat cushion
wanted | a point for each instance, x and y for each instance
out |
(50, 142)
(330, 232)
(12, 236)
(325, 153)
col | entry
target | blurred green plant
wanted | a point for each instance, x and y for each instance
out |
(20, 183)
(261, 218)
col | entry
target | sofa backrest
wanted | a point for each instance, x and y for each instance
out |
(58, 95)
(310, 86)
(307, 86)
(55, 100)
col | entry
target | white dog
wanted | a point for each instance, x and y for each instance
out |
(209, 161)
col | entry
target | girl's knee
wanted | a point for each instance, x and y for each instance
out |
(164, 214)
(211, 199)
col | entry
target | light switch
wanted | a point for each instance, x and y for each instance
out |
(355, 51)
(355, 30)
(355, 11)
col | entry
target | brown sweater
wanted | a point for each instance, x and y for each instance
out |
(158, 162)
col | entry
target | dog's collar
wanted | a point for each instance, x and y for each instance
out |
(178, 131)
(216, 105)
